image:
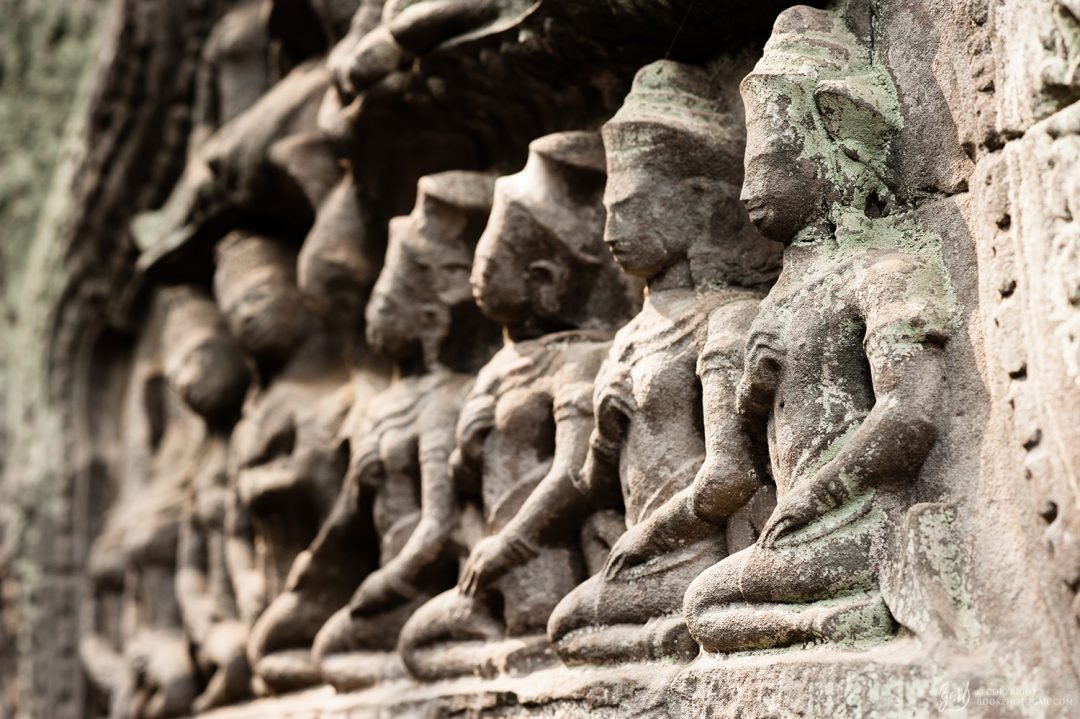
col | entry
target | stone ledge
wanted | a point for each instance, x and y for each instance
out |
(892, 680)
(637, 690)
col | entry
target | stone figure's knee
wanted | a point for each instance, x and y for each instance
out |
(716, 586)
(573, 612)
(331, 638)
(430, 624)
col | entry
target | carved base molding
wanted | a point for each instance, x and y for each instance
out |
(637, 690)
(894, 680)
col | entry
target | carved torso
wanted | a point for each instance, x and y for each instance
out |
(409, 410)
(813, 344)
(515, 400)
(651, 378)
(288, 466)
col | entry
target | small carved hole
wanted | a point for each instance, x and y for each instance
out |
(1004, 222)
(1049, 511)
(1033, 441)
(1019, 374)
(875, 207)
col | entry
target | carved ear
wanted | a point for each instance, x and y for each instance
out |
(858, 115)
(547, 279)
(453, 283)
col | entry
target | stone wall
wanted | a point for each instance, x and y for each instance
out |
(499, 358)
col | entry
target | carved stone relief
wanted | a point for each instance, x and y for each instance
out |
(517, 358)
(524, 426)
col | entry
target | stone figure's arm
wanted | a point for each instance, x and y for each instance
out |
(248, 581)
(197, 605)
(473, 426)
(726, 480)
(555, 500)
(729, 476)
(104, 666)
(339, 549)
(890, 444)
(395, 580)
(599, 475)
(420, 26)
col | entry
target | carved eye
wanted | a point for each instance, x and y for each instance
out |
(279, 443)
(457, 267)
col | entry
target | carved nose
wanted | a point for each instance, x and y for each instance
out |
(480, 276)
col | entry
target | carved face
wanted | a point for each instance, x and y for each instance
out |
(402, 299)
(203, 363)
(784, 183)
(511, 244)
(651, 216)
(255, 285)
(211, 377)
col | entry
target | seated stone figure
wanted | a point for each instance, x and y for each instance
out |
(422, 315)
(843, 365)
(420, 309)
(138, 653)
(542, 271)
(269, 165)
(667, 434)
(286, 458)
(206, 366)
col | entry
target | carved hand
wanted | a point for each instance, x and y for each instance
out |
(379, 592)
(632, 549)
(793, 511)
(223, 654)
(489, 560)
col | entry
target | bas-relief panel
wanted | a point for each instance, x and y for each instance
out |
(690, 389)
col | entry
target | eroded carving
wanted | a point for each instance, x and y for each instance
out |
(674, 220)
(421, 315)
(542, 272)
(750, 460)
(138, 653)
(843, 365)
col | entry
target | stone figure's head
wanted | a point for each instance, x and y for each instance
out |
(674, 157)
(202, 361)
(387, 36)
(423, 297)
(821, 121)
(541, 264)
(287, 457)
(255, 286)
(339, 260)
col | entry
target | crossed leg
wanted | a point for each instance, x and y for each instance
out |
(636, 616)
(822, 589)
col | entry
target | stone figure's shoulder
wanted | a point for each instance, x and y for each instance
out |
(490, 375)
(734, 312)
(581, 358)
(904, 298)
(727, 329)
(574, 343)
(402, 397)
(441, 398)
